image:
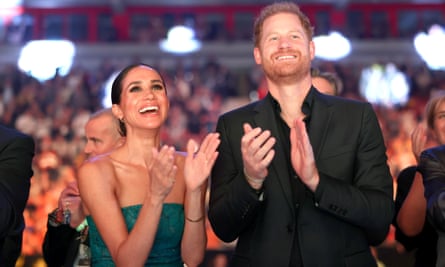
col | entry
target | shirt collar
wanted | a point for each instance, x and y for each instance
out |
(306, 107)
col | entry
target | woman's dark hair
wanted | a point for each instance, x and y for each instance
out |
(116, 88)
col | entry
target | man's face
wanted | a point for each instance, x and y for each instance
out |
(284, 51)
(101, 134)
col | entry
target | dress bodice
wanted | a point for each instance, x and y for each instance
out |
(166, 250)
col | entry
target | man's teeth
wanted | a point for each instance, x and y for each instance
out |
(148, 109)
(285, 57)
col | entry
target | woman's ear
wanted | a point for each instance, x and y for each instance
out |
(117, 112)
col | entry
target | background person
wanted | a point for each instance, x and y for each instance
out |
(431, 167)
(311, 177)
(62, 241)
(326, 82)
(413, 230)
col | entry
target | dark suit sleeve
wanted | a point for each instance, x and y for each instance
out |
(233, 203)
(16, 156)
(57, 244)
(363, 194)
(432, 167)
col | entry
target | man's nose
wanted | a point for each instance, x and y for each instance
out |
(88, 149)
(284, 42)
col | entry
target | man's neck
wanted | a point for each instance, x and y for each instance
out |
(290, 98)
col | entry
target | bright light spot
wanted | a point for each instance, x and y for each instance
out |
(384, 85)
(180, 40)
(8, 10)
(42, 59)
(10, 3)
(431, 47)
(332, 47)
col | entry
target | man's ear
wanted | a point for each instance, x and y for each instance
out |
(312, 49)
(257, 55)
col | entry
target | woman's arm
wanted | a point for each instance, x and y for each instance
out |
(411, 216)
(197, 168)
(194, 240)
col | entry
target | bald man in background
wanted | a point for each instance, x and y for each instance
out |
(66, 241)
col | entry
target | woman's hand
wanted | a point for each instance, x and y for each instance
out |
(418, 140)
(200, 160)
(162, 170)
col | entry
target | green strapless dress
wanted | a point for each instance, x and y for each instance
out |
(166, 250)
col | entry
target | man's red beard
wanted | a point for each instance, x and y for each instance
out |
(287, 73)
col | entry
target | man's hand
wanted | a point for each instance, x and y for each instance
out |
(257, 152)
(302, 155)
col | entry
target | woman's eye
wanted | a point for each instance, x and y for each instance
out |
(157, 87)
(135, 89)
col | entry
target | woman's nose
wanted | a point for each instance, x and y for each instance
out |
(149, 94)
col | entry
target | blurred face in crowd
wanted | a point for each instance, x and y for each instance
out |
(323, 85)
(143, 101)
(438, 130)
(284, 49)
(102, 135)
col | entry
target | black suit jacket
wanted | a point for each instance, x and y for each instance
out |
(432, 167)
(351, 209)
(61, 245)
(16, 154)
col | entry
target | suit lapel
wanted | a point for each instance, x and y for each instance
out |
(321, 115)
(265, 118)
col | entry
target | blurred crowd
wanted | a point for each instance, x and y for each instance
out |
(54, 113)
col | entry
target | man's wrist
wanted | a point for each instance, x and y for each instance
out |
(54, 218)
(257, 184)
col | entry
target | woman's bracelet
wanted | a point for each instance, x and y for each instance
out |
(195, 221)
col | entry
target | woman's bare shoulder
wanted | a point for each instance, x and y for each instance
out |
(100, 167)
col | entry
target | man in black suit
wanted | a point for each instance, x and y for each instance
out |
(16, 154)
(301, 178)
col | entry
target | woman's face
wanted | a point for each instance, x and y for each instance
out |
(439, 124)
(144, 102)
